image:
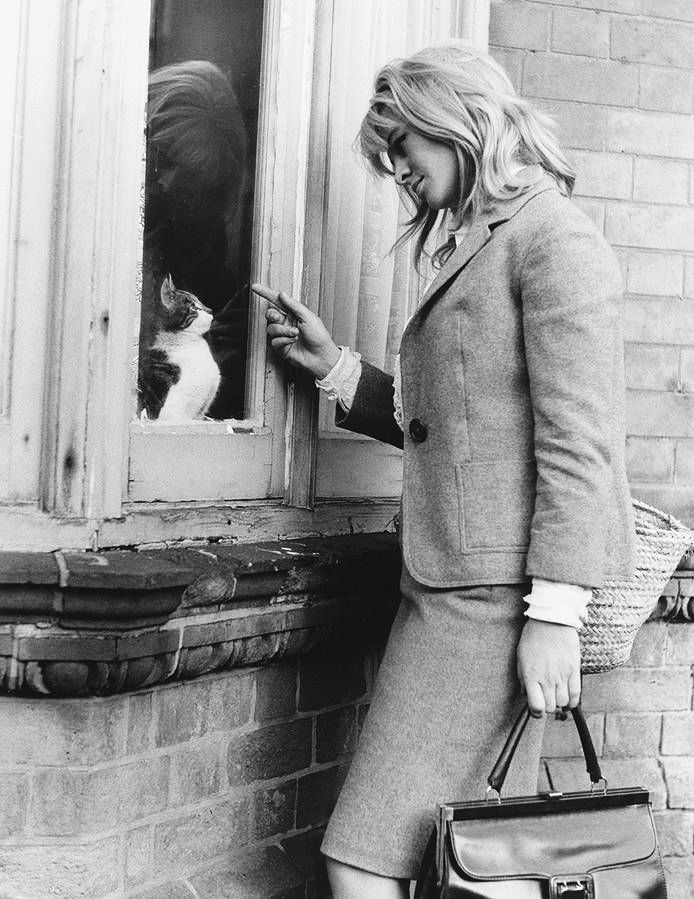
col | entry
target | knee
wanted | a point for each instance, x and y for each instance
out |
(347, 882)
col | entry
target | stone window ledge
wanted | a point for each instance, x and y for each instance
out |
(99, 623)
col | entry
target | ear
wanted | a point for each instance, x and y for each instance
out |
(167, 292)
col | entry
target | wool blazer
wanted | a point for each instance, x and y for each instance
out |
(513, 401)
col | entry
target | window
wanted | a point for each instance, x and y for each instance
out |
(84, 275)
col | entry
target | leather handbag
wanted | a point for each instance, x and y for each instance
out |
(598, 844)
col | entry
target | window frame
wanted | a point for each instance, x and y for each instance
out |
(76, 273)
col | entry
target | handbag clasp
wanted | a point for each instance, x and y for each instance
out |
(578, 886)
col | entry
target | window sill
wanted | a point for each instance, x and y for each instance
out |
(102, 623)
(87, 623)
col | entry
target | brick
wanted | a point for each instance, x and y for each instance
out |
(230, 700)
(196, 773)
(570, 774)
(650, 460)
(317, 795)
(623, 6)
(66, 801)
(661, 181)
(659, 227)
(82, 732)
(274, 811)
(561, 740)
(603, 174)
(183, 843)
(336, 733)
(273, 751)
(181, 712)
(648, 650)
(14, 790)
(172, 889)
(658, 320)
(580, 79)
(659, 43)
(689, 276)
(328, 678)
(276, 688)
(141, 722)
(303, 849)
(650, 133)
(138, 855)
(669, 9)
(636, 690)
(651, 367)
(684, 462)
(679, 776)
(678, 733)
(262, 874)
(519, 25)
(594, 209)
(67, 871)
(661, 414)
(580, 125)
(584, 32)
(666, 89)
(688, 370)
(511, 61)
(680, 649)
(675, 832)
(679, 875)
(655, 273)
(632, 735)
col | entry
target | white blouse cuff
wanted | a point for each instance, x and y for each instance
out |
(341, 381)
(557, 602)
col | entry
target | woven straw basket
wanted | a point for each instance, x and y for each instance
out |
(619, 608)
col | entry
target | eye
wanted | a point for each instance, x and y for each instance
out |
(397, 144)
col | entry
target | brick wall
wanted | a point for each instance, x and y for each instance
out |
(207, 788)
(220, 786)
(618, 78)
(642, 721)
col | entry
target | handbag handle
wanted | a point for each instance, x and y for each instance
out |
(500, 770)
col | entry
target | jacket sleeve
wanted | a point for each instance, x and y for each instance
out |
(571, 299)
(371, 412)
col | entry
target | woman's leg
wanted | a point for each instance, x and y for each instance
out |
(347, 882)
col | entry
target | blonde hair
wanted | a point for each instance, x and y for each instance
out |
(194, 121)
(460, 96)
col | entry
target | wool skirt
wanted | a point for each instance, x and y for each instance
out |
(445, 699)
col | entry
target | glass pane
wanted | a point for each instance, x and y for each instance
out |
(201, 133)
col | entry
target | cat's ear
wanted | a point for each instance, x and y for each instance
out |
(168, 292)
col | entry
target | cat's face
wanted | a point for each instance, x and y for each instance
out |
(184, 310)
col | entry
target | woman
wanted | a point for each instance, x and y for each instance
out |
(508, 405)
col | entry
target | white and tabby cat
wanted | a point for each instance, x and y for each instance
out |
(181, 377)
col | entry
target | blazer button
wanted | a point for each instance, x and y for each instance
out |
(418, 430)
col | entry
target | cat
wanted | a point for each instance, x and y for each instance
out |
(180, 377)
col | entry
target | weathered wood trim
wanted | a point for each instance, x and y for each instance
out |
(96, 254)
(23, 527)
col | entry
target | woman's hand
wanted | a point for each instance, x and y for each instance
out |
(549, 666)
(297, 334)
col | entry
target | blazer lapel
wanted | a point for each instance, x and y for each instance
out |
(478, 235)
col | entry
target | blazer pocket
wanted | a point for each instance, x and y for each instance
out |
(496, 501)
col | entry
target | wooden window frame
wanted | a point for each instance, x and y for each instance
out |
(74, 228)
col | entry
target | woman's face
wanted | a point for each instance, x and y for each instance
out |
(429, 168)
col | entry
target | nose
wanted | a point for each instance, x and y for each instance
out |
(401, 170)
